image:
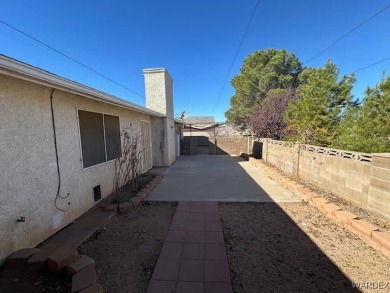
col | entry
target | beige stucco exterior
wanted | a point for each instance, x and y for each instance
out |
(28, 175)
(159, 97)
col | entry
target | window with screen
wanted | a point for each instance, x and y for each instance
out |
(100, 137)
(113, 140)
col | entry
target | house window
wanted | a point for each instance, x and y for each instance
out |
(100, 137)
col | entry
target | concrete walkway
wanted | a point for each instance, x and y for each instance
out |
(218, 178)
(193, 258)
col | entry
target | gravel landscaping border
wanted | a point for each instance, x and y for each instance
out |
(126, 249)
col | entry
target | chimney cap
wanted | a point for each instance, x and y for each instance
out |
(155, 70)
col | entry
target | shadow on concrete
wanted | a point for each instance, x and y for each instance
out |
(217, 178)
(266, 249)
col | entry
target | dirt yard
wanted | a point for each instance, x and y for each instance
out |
(291, 247)
(127, 248)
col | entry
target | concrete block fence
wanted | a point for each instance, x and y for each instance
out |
(360, 178)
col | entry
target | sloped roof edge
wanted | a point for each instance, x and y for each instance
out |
(18, 69)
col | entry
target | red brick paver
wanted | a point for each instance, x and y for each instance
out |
(193, 257)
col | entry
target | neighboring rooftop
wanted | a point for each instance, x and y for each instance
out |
(199, 120)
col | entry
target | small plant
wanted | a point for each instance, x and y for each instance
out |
(127, 166)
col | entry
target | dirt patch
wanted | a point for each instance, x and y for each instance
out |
(127, 248)
(291, 247)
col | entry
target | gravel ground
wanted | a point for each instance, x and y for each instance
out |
(291, 247)
(127, 248)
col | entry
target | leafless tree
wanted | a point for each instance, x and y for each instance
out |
(267, 119)
(127, 166)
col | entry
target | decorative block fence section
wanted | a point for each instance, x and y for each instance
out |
(360, 178)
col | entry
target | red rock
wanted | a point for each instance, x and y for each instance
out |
(319, 201)
(84, 279)
(364, 227)
(383, 238)
(60, 258)
(344, 216)
(38, 260)
(82, 262)
(136, 201)
(19, 258)
(330, 208)
(96, 288)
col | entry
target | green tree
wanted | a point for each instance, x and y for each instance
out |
(262, 71)
(366, 128)
(315, 114)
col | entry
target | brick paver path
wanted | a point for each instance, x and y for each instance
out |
(193, 258)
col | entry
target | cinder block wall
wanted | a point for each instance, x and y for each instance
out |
(362, 179)
(344, 177)
(378, 200)
(283, 155)
(230, 145)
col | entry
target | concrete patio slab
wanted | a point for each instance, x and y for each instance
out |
(218, 178)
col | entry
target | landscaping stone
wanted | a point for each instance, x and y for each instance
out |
(385, 251)
(60, 258)
(96, 288)
(142, 194)
(19, 258)
(38, 260)
(371, 242)
(345, 216)
(136, 201)
(363, 227)
(127, 206)
(319, 201)
(383, 238)
(330, 208)
(304, 190)
(84, 279)
(82, 262)
(309, 196)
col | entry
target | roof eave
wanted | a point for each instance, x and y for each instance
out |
(12, 67)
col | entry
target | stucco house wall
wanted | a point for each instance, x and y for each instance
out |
(28, 166)
(28, 177)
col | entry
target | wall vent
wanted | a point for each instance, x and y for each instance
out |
(97, 193)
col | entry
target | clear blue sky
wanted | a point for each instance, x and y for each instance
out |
(195, 40)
